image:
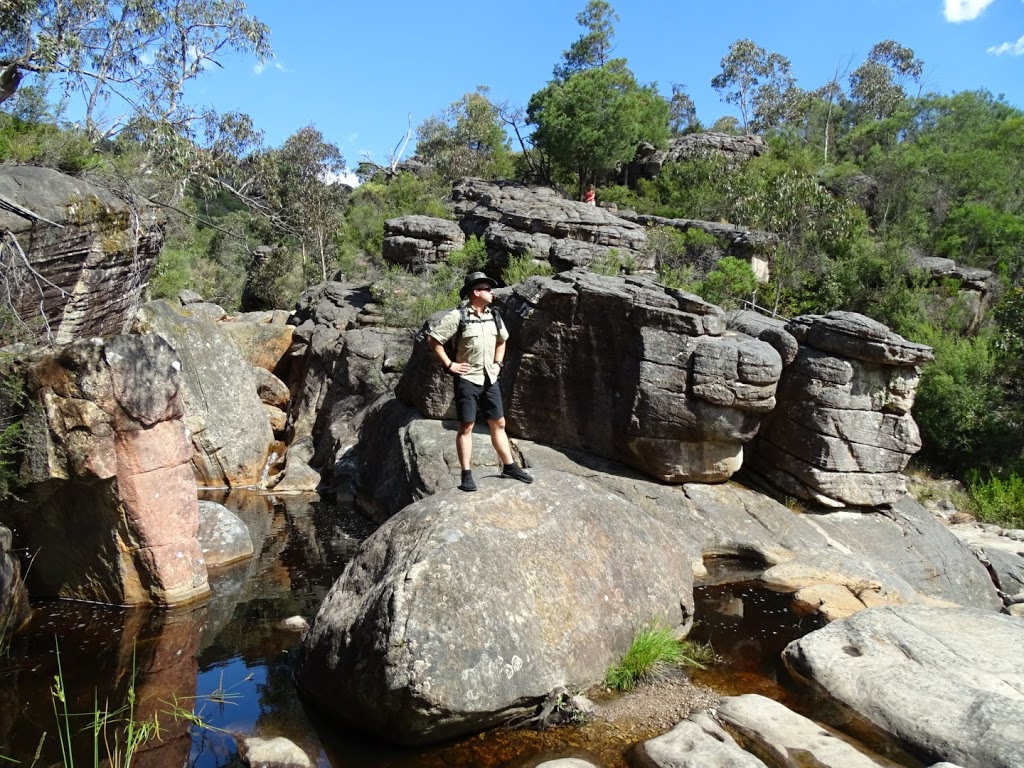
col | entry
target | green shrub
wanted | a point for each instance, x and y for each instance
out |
(731, 281)
(472, 257)
(654, 650)
(998, 500)
(522, 267)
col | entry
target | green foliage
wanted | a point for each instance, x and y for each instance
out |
(13, 402)
(472, 257)
(730, 282)
(681, 256)
(467, 139)
(975, 234)
(67, 150)
(654, 650)
(520, 268)
(592, 122)
(361, 236)
(961, 407)
(592, 49)
(998, 499)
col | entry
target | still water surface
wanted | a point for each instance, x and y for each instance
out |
(228, 659)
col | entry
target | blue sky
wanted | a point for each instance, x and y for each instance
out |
(358, 70)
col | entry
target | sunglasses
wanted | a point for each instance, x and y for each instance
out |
(483, 288)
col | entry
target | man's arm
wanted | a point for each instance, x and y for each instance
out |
(441, 354)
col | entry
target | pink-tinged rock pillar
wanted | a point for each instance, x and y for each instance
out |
(109, 512)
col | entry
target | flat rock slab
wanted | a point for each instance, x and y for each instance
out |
(789, 740)
(948, 684)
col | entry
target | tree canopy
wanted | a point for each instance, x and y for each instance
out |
(124, 59)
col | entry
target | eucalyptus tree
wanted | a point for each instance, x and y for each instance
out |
(124, 58)
(298, 184)
(759, 83)
(466, 139)
(878, 87)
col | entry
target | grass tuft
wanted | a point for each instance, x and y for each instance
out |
(654, 650)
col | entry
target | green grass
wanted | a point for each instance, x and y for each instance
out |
(655, 649)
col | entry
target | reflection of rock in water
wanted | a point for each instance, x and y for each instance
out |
(748, 626)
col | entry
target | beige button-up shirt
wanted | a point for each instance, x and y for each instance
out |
(477, 343)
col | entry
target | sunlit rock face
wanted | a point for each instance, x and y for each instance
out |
(229, 429)
(842, 431)
(109, 509)
(87, 254)
(624, 368)
(466, 609)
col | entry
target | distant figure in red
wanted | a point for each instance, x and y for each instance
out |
(589, 197)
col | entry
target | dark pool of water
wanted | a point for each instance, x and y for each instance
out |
(228, 660)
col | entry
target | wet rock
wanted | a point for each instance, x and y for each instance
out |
(222, 535)
(947, 684)
(548, 586)
(14, 606)
(697, 742)
(277, 752)
(789, 740)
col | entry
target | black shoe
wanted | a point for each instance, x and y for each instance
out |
(513, 471)
(467, 484)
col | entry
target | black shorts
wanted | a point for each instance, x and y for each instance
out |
(470, 397)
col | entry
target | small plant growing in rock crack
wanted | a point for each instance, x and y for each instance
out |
(655, 649)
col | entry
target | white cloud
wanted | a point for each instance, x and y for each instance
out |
(965, 10)
(345, 178)
(1012, 49)
(261, 66)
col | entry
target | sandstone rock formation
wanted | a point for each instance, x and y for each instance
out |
(346, 363)
(731, 149)
(109, 511)
(226, 421)
(945, 683)
(842, 432)
(766, 728)
(75, 257)
(420, 243)
(460, 612)
(515, 220)
(623, 368)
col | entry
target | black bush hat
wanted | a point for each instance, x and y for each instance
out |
(473, 279)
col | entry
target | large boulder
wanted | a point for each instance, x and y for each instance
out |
(731, 149)
(624, 368)
(516, 220)
(463, 610)
(89, 252)
(420, 243)
(109, 507)
(948, 684)
(843, 431)
(230, 431)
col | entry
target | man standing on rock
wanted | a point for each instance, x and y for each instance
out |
(479, 357)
